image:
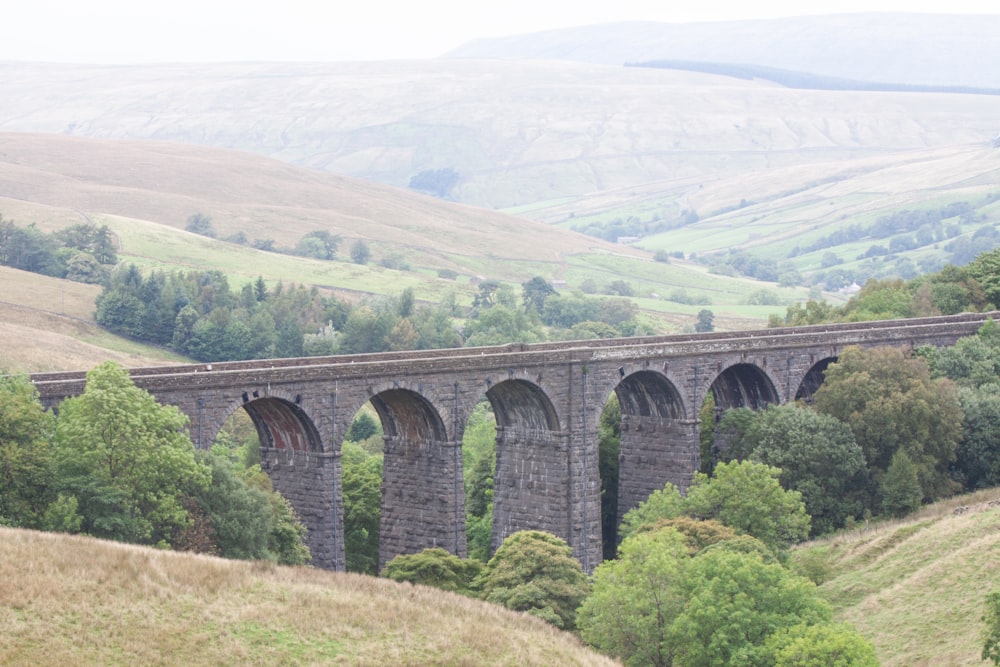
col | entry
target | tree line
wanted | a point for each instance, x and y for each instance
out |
(84, 253)
(197, 314)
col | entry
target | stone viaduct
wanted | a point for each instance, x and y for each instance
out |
(547, 399)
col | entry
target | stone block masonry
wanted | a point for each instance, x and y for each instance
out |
(547, 399)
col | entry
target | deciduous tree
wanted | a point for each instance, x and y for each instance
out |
(127, 459)
(535, 572)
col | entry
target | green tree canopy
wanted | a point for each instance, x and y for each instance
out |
(658, 605)
(534, 571)
(435, 567)
(823, 645)
(734, 602)
(26, 429)
(818, 457)
(890, 402)
(749, 498)
(127, 459)
(636, 599)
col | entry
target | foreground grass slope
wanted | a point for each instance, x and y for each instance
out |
(916, 587)
(77, 600)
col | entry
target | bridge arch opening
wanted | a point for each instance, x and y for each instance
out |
(739, 386)
(283, 425)
(641, 436)
(813, 380)
(743, 386)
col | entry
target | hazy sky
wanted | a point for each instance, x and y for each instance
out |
(142, 31)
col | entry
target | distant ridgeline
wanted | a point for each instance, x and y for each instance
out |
(805, 80)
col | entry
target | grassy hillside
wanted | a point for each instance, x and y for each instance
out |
(47, 325)
(916, 587)
(773, 214)
(145, 192)
(82, 601)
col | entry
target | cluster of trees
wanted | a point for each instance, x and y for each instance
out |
(83, 253)
(698, 580)
(116, 464)
(905, 229)
(974, 287)
(197, 314)
(885, 432)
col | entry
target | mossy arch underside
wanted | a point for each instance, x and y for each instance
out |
(655, 438)
(531, 488)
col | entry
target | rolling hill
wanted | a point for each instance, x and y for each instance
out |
(515, 133)
(82, 601)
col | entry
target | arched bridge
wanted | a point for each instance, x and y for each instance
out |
(547, 399)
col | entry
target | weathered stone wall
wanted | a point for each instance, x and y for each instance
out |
(310, 481)
(531, 488)
(654, 451)
(423, 498)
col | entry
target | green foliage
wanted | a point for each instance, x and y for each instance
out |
(240, 514)
(748, 497)
(734, 603)
(435, 567)
(363, 427)
(319, 244)
(636, 599)
(826, 645)
(818, 457)
(438, 182)
(991, 632)
(535, 292)
(360, 253)
(501, 324)
(609, 449)
(126, 459)
(890, 403)
(977, 458)
(901, 492)
(200, 224)
(26, 428)
(698, 534)
(659, 605)
(535, 572)
(361, 487)
(665, 503)
(705, 321)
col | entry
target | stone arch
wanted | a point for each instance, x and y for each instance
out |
(656, 440)
(283, 425)
(649, 394)
(744, 385)
(522, 403)
(292, 454)
(531, 489)
(408, 416)
(813, 379)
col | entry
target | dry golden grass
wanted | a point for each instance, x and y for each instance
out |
(77, 600)
(916, 587)
(47, 325)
